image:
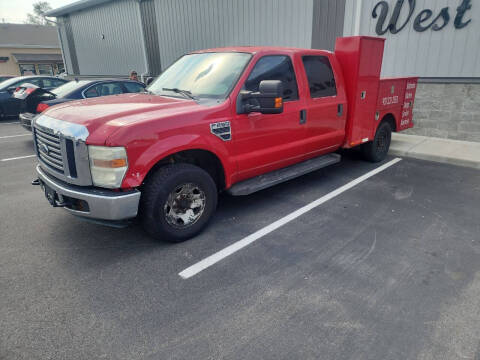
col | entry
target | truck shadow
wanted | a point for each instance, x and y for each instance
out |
(235, 218)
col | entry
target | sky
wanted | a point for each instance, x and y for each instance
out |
(15, 11)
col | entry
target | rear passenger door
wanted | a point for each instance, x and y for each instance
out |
(325, 105)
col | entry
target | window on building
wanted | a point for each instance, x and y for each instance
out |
(45, 69)
(321, 80)
(27, 69)
(133, 87)
(274, 67)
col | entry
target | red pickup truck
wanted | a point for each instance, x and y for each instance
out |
(234, 119)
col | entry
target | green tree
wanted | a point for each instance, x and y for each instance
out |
(39, 9)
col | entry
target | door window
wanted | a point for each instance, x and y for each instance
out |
(133, 87)
(104, 89)
(52, 83)
(35, 81)
(274, 67)
(321, 80)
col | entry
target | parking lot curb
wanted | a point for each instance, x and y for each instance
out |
(448, 151)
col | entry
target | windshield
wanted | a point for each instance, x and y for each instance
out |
(68, 87)
(206, 75)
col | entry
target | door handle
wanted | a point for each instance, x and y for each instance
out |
(303, 117)
(340, 109)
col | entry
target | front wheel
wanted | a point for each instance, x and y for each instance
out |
(177, 202)
(377, 149)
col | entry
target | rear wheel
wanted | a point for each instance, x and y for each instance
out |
(377, 149)
(177, 202)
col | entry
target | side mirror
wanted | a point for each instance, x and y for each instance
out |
(268, 99)
(149, 80)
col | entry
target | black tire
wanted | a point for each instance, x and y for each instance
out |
(155, 205)
(377, 150)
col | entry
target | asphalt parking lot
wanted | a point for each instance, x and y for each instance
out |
(388, 269)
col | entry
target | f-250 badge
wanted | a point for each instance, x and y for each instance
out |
(222, 130)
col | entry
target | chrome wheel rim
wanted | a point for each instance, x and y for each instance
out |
(185, 205)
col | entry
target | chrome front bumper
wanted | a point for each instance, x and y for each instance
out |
(90, 202)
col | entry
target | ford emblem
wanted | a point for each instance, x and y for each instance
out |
(44, 148)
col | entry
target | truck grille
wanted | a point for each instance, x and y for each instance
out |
(49, 150)
(62, 150)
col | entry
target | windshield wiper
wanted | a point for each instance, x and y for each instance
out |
(186, 93)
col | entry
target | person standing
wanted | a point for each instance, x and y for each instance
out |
(133, 75)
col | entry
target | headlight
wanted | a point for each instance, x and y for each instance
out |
(108, 165)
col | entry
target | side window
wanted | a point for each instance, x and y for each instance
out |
(133, 87)
(274, 67)
(57, 83)
(104, 89)
(92, 92)
(51, 83)
(37, 82)
(47, 83)
(321, 80)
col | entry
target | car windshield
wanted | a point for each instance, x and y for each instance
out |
(68, 87)
(205, 75)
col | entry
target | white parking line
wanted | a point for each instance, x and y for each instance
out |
(10, 123)
(12, 136)
(17, 158)
(229, 250)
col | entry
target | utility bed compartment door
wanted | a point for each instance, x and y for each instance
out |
(396, 96)
(408, 102)
(391, 93)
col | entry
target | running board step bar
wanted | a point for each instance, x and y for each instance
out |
(264, 181)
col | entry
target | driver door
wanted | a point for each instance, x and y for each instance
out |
(265, 142)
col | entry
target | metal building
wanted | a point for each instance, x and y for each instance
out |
(436, 40)
(106, 37)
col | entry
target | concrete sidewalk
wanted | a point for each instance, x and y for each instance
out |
(462, 153)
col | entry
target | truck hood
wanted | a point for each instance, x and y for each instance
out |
(106, 114)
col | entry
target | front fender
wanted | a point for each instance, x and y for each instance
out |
(143, 158)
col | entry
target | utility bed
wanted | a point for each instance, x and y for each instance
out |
(371, 99)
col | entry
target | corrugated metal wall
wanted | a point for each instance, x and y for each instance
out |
(108, 39)
(328, 17)
(150, 34)
(71, 45)
(64, 43)
(187, 25)
(446, 53)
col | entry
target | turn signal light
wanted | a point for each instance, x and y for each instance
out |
(278, 102)
(115, 163)
(42, 107)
